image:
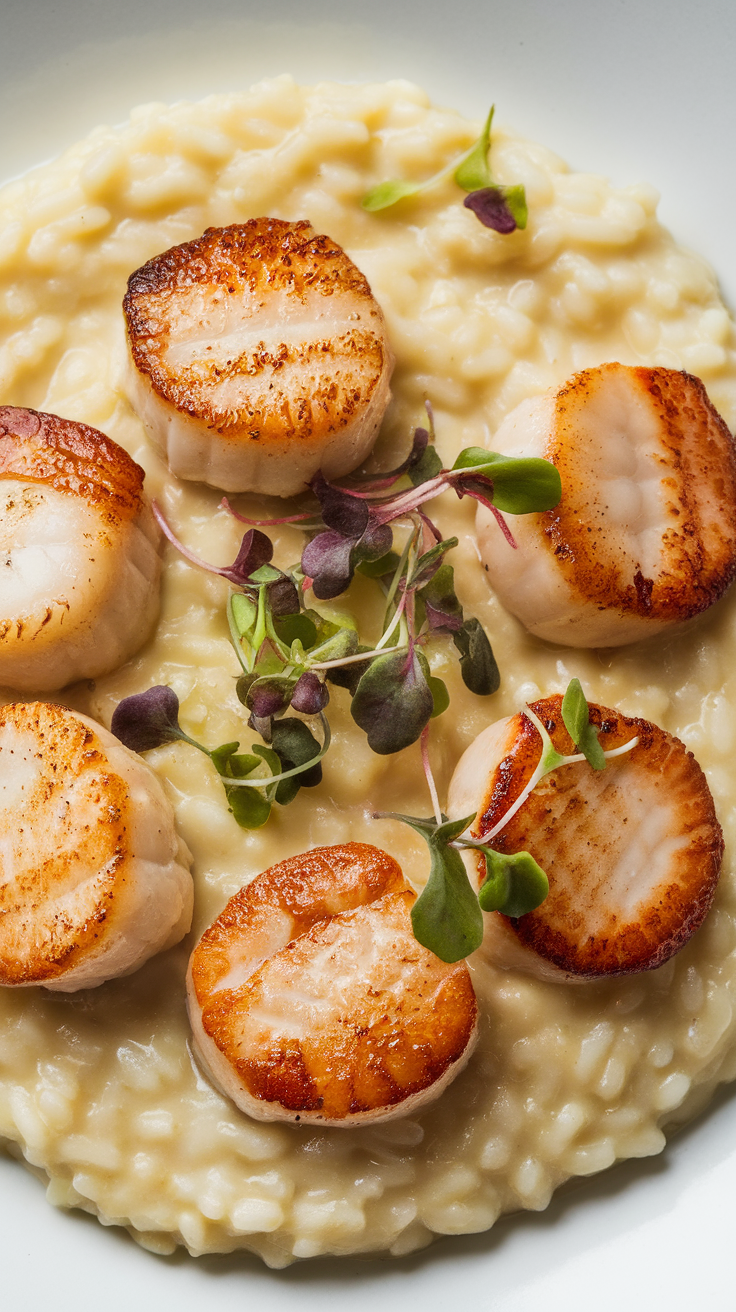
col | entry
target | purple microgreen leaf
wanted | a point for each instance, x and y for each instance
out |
(148, 719)
(345, 514)
(326, 560)
(473, 172)
(392, 702)
(269, 696)
(256, 550)
(477, 662)
(489, 204)
(443, 610)
(310, 695)
(377, 541)
(283, 597)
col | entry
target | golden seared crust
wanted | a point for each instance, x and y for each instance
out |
(259, 285)
(65, 843)
(70, 457)
(348, 1015)
(632, 852)
(694, 463)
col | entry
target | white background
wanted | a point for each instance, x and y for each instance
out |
(642, 92)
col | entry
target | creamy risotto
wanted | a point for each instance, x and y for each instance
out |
(98, 1089)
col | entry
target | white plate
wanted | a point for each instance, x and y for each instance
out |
(638, 91)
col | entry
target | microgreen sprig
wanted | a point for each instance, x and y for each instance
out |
(290, 652)
(446, 918)
(502, 208)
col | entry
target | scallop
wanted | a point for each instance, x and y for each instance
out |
(632, 852)
(644, 536)
(259, 356)
(79, 549)
(311, 1000)
(93, 878)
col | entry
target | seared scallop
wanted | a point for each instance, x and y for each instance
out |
(79, 553)
(645, 533)
(311, 1000)
(259, 356)
(632, 852)
(93, 878)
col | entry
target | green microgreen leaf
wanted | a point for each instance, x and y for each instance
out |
(437, 687)
(295, 745)
(428, 466)
(446, 918)
(576, 717)
(440, 695)
(250, 807)
(520, 486)
(296, 628)
(376, 569)
(429, 563)
(392, 702)
(514, 883)
(443, 610)
(575, 713)
(477, 662)
(265, 574)
(474, 171)
(244, 613)
(515, 198)
(386, 194)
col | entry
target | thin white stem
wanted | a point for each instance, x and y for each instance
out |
(424, 743)
(543, 768)
(353, 660)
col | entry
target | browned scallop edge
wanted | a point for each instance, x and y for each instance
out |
(275, 256)
(701, 548)
(70, 457)
(669, 927)
(63, 942)
(285, 256)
